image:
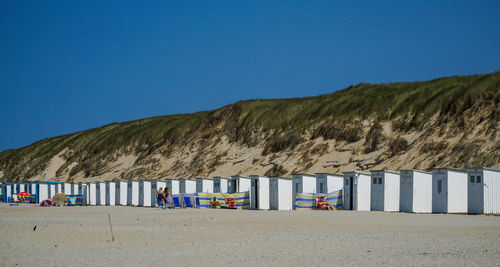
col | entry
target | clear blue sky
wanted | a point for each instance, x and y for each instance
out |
(67, 66)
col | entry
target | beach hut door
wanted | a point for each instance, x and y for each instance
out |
(255, 194)
(129, 193)
(141, 194)
(117, 193)
(216, 186)
(108, 196)
(351, 192)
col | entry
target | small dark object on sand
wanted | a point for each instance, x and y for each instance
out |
(34, 228)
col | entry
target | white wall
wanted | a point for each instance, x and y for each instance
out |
(204, 185)
(415, 191)
(391, 191)
(453, 195)
(457, 192)
(174, 186)
(244, 184)
(280, 194)
(22, 187)
(59, 188)
(110, 193)
(92, 194)
(302, 184)
(146, 194)
(74, 189)
(102, 194)
(33, 188)
(224, 185)
(43, 192)
(67, 188)
(362, 192)
(285, 194)
(263, 193)
(190, 186)
(8, 192)
(491, 191)
(52, 190)
(123, 193)
(135, 193)
(260, 190)
(329, 183)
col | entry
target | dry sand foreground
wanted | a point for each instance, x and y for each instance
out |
(147, 236)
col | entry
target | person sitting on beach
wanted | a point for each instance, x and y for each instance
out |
(214, 203)
(323, 204)
(160, 198)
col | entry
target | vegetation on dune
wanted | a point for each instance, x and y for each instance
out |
(278, 124)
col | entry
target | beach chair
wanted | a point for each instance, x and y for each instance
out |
(187, 200)
(197, 202)
(177, 203)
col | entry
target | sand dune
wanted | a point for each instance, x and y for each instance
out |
(147, 236)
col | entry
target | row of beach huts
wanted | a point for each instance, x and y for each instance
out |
(475, 191)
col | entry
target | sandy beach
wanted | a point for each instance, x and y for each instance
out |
(147, 236)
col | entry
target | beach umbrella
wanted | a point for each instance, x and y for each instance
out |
(46, 203)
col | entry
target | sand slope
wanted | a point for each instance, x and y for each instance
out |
(146, 236)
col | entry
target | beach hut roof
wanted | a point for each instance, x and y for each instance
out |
(413, 170)
(385, 171)
(449, 169)
(357, 172)
(485, 168)
(325, 173)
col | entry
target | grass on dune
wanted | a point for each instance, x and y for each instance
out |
(418, 100)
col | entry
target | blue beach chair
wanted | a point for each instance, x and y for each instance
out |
(176, 202)
(187, 200)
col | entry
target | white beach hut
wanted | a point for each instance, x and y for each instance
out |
(174, 186)
(449, 191)
(326, 182)
(67, 188)
(204, 185)
(238, 184)
(357, 191)
(92, 188)
(84, 189)
(155, 186)
(121, 193)
(101, 193)
(14, 186)
(145, 193)
(32, 189)
(385, 190)
(110, 193)
(52, 189)
(59, 188)
(483, 191)
(259, 192)
(42, 191)
(74, 188)
(303, 183)
(280, 193)
(6, 191)
(415, 191)
(133, 193)
(220, 185)
(187, 186)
